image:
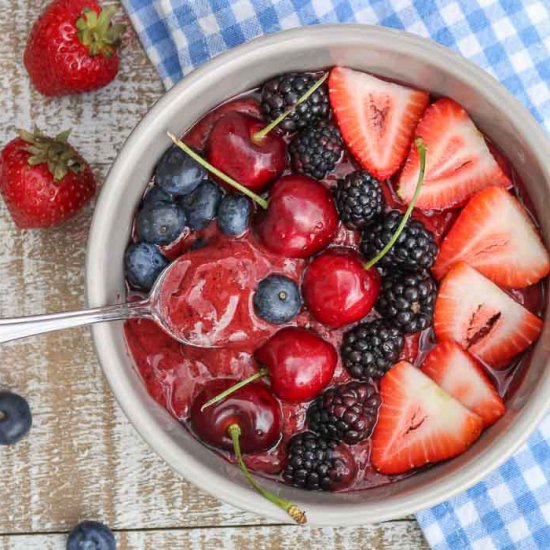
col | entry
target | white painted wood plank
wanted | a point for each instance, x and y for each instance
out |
(391, 536)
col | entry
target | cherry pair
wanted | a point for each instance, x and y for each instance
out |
(246, 416)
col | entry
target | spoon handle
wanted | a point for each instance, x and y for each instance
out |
(20, 327)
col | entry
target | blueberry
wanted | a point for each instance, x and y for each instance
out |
(277, 299)
(178, 173)
(234, 214)
(143, 263)
(201, 205)
(15, 418)
(160, 223)
(156, 195)
(91, 535)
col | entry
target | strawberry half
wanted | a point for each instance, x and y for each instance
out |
(484, 320)
(458, 161)
(376, 118)
(495, 235)
(462, 377)
(418, 423)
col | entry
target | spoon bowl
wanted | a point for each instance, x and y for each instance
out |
(202, 299)
(21, 327)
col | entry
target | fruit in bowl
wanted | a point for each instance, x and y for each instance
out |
(379, 346)
(348, 263)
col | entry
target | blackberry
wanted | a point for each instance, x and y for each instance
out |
(359, 199)
(316, 150)
(284, 91)
(346, 412)
(317, 463)
(407, 299)
(415, 248)
(370, 349)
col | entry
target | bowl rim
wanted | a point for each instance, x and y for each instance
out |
(141, 418)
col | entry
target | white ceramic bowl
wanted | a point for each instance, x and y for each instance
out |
(388, 53)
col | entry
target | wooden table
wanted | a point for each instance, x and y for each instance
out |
(83, 459)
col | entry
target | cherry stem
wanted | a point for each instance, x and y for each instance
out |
(260, 374)
(421, 147)
(258, 136)
(224, 177)
(291, 509)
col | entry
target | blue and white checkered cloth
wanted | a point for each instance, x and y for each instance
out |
(510, 39)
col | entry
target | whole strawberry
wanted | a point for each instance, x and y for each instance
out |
(43, 180)
(73, 47)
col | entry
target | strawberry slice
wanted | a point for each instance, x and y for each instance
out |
(462, 377)
(484, 320)
(458, 161)
(418, 422)
(495, 235)
(376, 118)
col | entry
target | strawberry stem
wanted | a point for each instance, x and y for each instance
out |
(421, 147)
(212, 169)
(260, 374)
(56, 152)
(258, 136)
(292, 510)
(97, 31)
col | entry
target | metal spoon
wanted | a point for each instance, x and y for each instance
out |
(21, 327)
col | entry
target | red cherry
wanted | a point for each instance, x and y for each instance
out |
(250, 421)
(337, 289)
(198, 135)
(299, 362)
(253, 408)
(231, 149)
(301, 218)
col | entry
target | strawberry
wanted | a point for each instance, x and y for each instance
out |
(418, 423)
(495, 235)
(43, 180)
(458, 161)
(376, 118)
(72, 48)
(462, 377)
(484, 320)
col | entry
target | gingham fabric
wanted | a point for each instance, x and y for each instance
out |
(508, 38)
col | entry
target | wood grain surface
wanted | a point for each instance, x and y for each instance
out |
(83, 460)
